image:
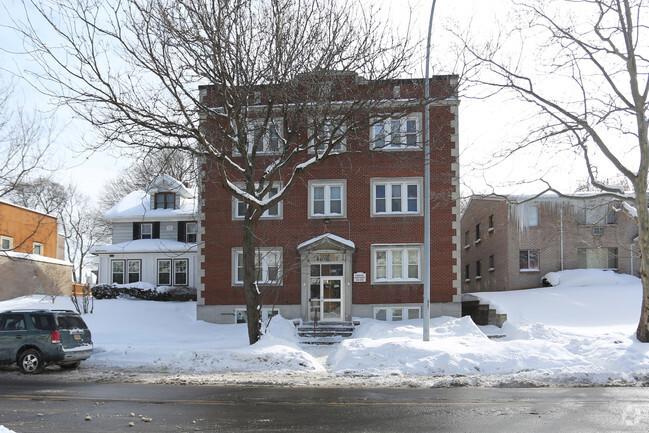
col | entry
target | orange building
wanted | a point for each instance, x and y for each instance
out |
(28, 231)
(31, 259)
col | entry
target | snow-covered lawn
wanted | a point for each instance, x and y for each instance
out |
(579, 332)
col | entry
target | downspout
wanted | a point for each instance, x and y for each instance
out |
(561, 223)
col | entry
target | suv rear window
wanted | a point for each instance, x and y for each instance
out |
(44, 322)
(70, 322)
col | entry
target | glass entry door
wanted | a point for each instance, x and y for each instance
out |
(327, 292)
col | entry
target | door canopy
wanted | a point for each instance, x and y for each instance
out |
(326, 241)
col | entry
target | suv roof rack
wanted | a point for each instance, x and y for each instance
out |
(37, 310)
(27, 310)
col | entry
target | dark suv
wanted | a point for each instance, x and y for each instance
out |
(34, 338)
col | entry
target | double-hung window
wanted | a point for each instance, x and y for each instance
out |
(146, 231)
(164, 272)
(396, 196)
(528, 260)
(268, 265)
(180, 272)
(396, 263)
(191, 231)
(117, 271)
(327, 198)
(274, 211)
(173, 272)
(134, 270)
(328, 133)
(264, 138)
(126, 271)
(396, 133)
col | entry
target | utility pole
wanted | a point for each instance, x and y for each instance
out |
(426, 312)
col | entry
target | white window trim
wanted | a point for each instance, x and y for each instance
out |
(404, 181)
(124, 271)
(150, 225)
(342, 145)
(187, 232)
(172, 272)
(265, 215)
(389, 312)
(39, 245)
(528, 269)
(264, 254)
(6, 238)
(388, 134)
(127, 273)
(404, 263)
(342, 183)
(252, 124)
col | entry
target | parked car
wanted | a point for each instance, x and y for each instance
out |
(34, 338)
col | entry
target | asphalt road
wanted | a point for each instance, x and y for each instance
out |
(38, 405)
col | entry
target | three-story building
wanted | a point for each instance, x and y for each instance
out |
(348, 240)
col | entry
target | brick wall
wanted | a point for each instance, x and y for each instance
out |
(558, 238)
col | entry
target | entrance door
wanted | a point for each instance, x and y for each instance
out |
(326, 300)
(331, 298)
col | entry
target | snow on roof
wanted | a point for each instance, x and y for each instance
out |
(145, 246)
(26, 208)
(329, 236)
(164, 183)
(137, 205)
(34, 258)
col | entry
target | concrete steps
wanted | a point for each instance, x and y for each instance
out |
(324, 332)
(481, 314)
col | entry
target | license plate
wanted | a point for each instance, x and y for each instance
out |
(77, 337)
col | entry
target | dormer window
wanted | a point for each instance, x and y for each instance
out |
(165, 200)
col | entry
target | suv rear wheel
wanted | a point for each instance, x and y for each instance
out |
(31, 362)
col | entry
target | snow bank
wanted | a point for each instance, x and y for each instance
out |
(587, 277)
(574, 333)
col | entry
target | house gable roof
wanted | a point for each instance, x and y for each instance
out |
(136, 206)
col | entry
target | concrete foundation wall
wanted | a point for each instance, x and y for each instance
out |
(21, 276)
(224, 314)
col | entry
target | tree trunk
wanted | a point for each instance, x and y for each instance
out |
(253, 308)
(643, 241)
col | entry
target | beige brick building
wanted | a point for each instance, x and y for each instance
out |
(511, 242)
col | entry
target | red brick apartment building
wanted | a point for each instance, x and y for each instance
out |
(347, 241)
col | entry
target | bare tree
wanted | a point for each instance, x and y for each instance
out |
(78, 221)
(133, 68)
(24, 143)
(43, 194)
(81, 231)
(147, 166)
(584, 65)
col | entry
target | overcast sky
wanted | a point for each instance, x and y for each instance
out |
(484, 125)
